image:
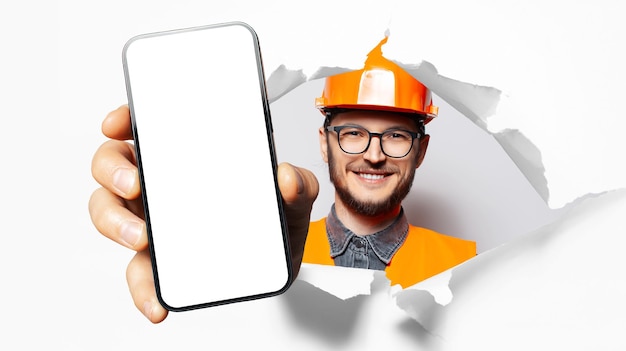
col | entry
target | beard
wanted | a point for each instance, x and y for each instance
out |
(370, 207)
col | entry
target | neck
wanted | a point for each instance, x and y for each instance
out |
(361, 224)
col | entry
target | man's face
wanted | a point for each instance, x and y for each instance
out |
(371, 183)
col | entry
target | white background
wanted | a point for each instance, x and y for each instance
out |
(63, 284)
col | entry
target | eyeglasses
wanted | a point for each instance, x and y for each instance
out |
(395, 143)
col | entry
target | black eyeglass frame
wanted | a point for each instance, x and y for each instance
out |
(337, 129)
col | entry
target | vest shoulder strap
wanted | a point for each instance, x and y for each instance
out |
(317, 248)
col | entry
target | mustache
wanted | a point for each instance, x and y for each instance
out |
(372, 168)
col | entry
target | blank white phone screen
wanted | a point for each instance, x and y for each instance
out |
(207, 162)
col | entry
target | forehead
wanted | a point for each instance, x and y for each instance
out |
(375, 120)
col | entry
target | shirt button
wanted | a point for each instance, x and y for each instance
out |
(359, 243)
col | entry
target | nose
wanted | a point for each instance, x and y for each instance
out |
(374, 152)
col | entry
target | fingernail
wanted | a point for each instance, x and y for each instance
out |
(147, 309)
(130, 232)
(123, 179)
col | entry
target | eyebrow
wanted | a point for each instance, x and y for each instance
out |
(389, 128)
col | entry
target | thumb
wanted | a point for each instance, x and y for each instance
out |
(297, 185)
(299, 189)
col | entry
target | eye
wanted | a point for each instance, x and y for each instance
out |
(352, 133)
(397, 135)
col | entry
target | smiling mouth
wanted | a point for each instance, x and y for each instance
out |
(370, 176)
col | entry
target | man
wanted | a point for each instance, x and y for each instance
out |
(373, 140)
(370, 181)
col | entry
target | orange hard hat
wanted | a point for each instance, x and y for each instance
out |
(380, 85)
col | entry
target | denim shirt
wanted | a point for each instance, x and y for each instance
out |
(372, 251)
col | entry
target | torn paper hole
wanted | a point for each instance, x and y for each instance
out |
(289, 122)
(505, 55)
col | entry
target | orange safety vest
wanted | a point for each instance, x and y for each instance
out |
(423, 254)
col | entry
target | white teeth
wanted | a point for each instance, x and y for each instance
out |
(371, 176)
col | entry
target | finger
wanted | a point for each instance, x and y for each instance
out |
(113, 166)
(298, 186)
(116, 124)
(299, 189)
(112, 217)
(141, 285)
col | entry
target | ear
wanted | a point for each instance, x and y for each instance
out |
(423, 145)
(323, 144)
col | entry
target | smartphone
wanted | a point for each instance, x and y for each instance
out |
(207, 165)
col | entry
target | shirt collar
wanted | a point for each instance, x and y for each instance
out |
(384, 243)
